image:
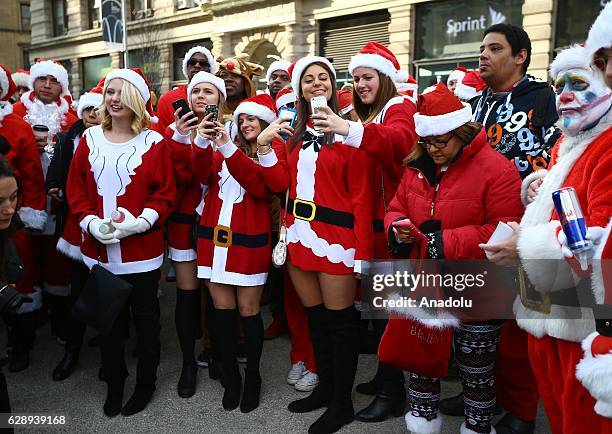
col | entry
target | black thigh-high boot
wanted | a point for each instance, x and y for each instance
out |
(344, 331)
(214, 364)
(115, 371)
(318, 325)
(390, 397)
(371, 387)
(187, 318)
(254, 337)
(227, 348)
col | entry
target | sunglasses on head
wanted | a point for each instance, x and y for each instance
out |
(201, 62)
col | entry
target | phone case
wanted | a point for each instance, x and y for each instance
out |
(212, 108)
(407, 224)
(316, 102)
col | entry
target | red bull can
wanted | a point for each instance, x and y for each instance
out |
(572, 219)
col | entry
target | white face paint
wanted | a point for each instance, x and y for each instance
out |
(582, 99)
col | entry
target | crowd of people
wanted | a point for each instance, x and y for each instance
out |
(301, 188)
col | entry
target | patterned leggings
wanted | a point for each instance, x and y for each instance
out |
(475, 348)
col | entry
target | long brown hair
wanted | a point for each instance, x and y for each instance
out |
(386, 91)
(303, 110)
(243, 144)
(465, 133)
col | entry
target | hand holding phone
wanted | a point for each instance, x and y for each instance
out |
(406, 231)
(290, 115)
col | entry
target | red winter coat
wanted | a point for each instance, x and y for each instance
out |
(165, 111)
(234, 235)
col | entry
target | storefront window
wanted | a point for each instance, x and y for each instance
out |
(455, 28)
(432, 73)
(574, 18)
(94, 68)
(147, 59)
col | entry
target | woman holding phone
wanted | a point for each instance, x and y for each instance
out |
(206, 94)
(329, 235)
(122, 165)
(234, 246)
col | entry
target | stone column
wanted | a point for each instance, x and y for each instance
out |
(76, 84)
(42, 28)
(297, 44)
(400, 37)
(222, 44)
(538, 23)
(165, 66)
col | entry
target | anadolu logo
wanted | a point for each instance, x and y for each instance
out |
(470, 24)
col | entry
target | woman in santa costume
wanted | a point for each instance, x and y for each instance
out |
(555, 322)
(329, 235)
(234, 234)
(387, 135)
(441, 173)
(68, 234)
(24, 159)
(121, 165)
(204, 89)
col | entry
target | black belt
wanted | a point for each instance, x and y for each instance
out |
(184, 219)
(378, 225)
(579, 296)
(306, 210)
(223, 236)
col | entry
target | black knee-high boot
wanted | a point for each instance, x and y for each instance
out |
(344, 331)
(225, 329)
(390, 396)
(187, 318)
(371, 387)
(254, 337)
(318, 325)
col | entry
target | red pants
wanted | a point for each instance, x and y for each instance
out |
(568, 404)
(515, 383)
(301, 345)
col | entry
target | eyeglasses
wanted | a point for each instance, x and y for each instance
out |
(202, 62)
(426, 143)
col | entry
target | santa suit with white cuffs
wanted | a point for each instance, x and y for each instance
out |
(580, 160)
(136, 175)
(234, 235)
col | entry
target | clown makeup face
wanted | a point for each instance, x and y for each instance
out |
(582, 99)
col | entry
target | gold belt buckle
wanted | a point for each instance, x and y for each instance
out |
(313, 209)
(542, 305)
(222, 236)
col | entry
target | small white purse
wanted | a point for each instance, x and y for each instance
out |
(279, 253)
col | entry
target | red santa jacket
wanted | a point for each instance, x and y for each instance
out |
(388, 139)
(329, 217)
(165, 111)
(136, 175)
(582, 162)
(22, 107)
(25, 161)
(234, 245)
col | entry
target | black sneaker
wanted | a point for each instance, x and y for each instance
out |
(203, 359)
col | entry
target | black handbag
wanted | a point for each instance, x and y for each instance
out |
(102, 299)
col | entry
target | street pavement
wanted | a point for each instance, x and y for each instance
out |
(80, 397)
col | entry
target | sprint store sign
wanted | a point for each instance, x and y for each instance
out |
(455, 28)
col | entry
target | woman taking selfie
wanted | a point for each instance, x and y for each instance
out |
(329, 234)
(234, 244)
(122, 166)
(204, 90)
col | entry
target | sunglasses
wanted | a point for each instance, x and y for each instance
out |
(201, 62)
(426, 143)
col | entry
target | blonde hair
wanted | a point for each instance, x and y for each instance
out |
(132, 99)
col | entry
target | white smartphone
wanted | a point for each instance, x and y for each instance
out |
(316, 102)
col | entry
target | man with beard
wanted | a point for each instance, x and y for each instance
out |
(196, 59)
(277, 77)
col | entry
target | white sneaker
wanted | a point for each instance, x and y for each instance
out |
(308, 381)
(296, 372)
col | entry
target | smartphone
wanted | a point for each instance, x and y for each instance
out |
(289, 114)
(182, 104)
(214, 109)
(316, 102)
(407, 224)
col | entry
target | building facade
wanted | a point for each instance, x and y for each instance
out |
(15, 34)
(429, 38)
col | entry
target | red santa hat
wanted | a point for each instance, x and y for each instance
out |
(457, 74)
(284, 97)
(408, 88)
(471, 86)
(277, 65)
(21, 78)
(7, 85)
(137, 78)
(93, 98)
(206, 77)
(439, 112)
(600, 35)
(574, 57)
(302, 64)
(345, 101)
(261, 106)
(43, 68)
(202, 50)
(376, 56)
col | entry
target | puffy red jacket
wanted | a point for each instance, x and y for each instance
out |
(478, 190)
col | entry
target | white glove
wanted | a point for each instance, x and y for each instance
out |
(594, 234)
(130, 226)
(94, 230)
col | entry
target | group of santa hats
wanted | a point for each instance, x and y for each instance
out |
(469, 83)
(41, 68)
